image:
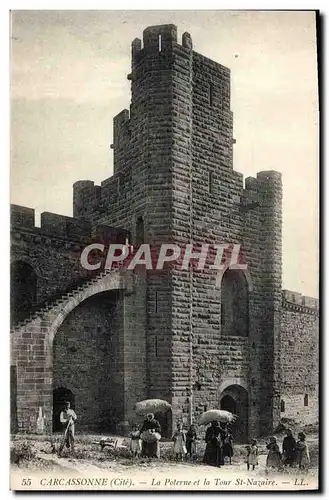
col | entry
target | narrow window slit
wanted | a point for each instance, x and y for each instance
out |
(211, 92)
(156, 346)
(210, 182)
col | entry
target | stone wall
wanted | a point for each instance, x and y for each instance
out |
(299, 357)
(173, 166)
(83, 321)
(174, 182)
(52, 251)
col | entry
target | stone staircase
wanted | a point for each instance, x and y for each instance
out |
(59, 300)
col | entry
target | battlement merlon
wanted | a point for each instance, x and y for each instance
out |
(121, 136)
(65, 227)
(164, 35)
(86, 196)
(300, 300)
(22, 216)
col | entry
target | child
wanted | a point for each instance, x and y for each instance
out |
(274, 456)
(179, 443)
(252, 456)
(228, 445)
(303, 456)
(135, 444)
(191, 439)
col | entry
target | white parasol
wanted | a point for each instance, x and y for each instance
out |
(152, 406)
(218, 415)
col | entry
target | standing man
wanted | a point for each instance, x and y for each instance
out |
(289, 449)
(67, 418)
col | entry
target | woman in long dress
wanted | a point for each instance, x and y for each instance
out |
(150, 426)
(274, 456)
(214, 449)
(228, 445)
(303, 456)
(179, 439)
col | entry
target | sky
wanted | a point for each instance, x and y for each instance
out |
(69, 79)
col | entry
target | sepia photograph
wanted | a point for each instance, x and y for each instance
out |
(164, 250)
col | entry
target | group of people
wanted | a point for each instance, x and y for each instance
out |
(184, 443)
(219, 445)
(293, 452)
(144, 441)
(219, 442)
(150, 447)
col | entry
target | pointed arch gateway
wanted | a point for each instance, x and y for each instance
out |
(88, 358)
(234, 398)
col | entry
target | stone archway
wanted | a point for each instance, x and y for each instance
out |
(34, 361)
(88, 357)
(234, 398)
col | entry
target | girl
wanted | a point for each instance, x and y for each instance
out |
(179, 439)
(135, 444)
(228, 445)
(252, 456)
(303, 456)
(191, 439)
(274, 456)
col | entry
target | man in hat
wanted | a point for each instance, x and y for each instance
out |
(67, 418)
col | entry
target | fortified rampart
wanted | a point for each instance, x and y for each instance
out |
(204, 342)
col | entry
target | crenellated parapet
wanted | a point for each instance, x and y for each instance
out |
(297, 302)
(52, 225)
(67, 231)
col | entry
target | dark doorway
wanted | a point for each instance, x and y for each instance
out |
(23, 290)
(235, 399)
(165, 421)
(13, 400)
(60, 395)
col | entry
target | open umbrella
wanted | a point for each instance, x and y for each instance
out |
(219, 415)
(151, 406)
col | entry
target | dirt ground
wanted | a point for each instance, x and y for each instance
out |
(32, 452)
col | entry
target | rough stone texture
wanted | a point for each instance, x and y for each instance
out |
(299, 357)
(79, 321)
(181, 335)
(88, 360)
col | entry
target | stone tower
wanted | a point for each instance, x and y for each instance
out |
(208, 342)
